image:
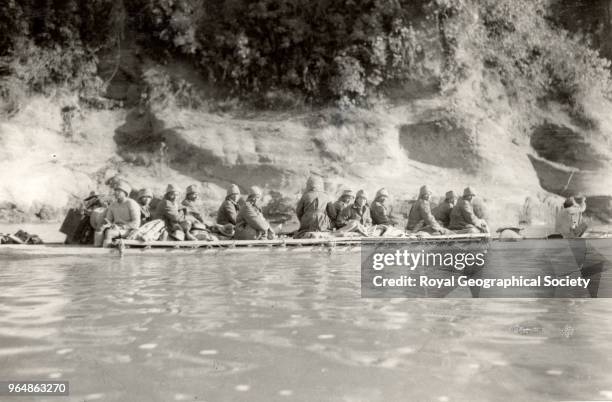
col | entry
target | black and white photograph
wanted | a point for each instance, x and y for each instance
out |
(305, 200)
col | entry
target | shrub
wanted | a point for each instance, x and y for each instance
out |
(54, 43)
(39, 69)
(279, 99)
(165, 90)
(326, 49)
(172, 22)
(12, 96)
(535, 60)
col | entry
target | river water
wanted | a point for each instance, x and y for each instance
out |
(272, 325)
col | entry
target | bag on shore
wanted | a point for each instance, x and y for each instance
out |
(28, 238)
(21, 237)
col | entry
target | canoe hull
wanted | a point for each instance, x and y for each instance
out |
(133, 247)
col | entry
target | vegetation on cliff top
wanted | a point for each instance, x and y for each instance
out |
(349, 51)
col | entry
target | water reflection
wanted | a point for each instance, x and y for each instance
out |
(286, 326)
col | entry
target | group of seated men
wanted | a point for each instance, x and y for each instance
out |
(170, 219)
(354, 213)
(243, 219)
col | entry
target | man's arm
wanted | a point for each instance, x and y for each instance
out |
(171, 213)
(230, 212)
(468, 214)
(134, 210)
(367, 218)
(109, 217)
(377, 215)
(255, 220)
(196, 214)
(343, 216)
(428, 217)
(331, 211)
(299, 209)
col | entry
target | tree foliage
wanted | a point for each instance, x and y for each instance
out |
(345, 50)
(534, 57)
(323, 48)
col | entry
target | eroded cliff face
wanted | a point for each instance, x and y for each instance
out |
(571, 158)
(400, 147)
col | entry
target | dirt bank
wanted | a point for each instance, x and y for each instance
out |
(44, 172)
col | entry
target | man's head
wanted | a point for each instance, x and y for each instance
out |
(361, 198)
(255, 195)
(347, 196)
(172, 193)
(382, 195)
(191, 193)
(468, 193)
(145, 196)
(92, 200)
(122, 190)
(233, 193)
(314, 183)
(569, 202)
(450, 197)
(424, 193)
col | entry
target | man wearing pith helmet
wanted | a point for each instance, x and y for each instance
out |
(122, 216)
(192, 212)
(346, 198)
(380, 210)
(250, 223)
(169, 210)
(420, 218)
(462, 217)
(145, 196)
(312, 209)
(358, 212)
(443, 210)
(228, 211)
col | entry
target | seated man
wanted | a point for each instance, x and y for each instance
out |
(381, 212)
(173, 215)
(192, 212)
(144, 200)
(250, 223)
(356, 217)
(228, 211)
(569, 222)
(151, 229)
(334, 210)
(198, 227)
(122, 216)
(420, 218)
(462, 217)
(311, 209)
(443, 210)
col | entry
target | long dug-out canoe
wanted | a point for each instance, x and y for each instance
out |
(132, 247)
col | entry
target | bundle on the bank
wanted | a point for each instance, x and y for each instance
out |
(20, 237)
